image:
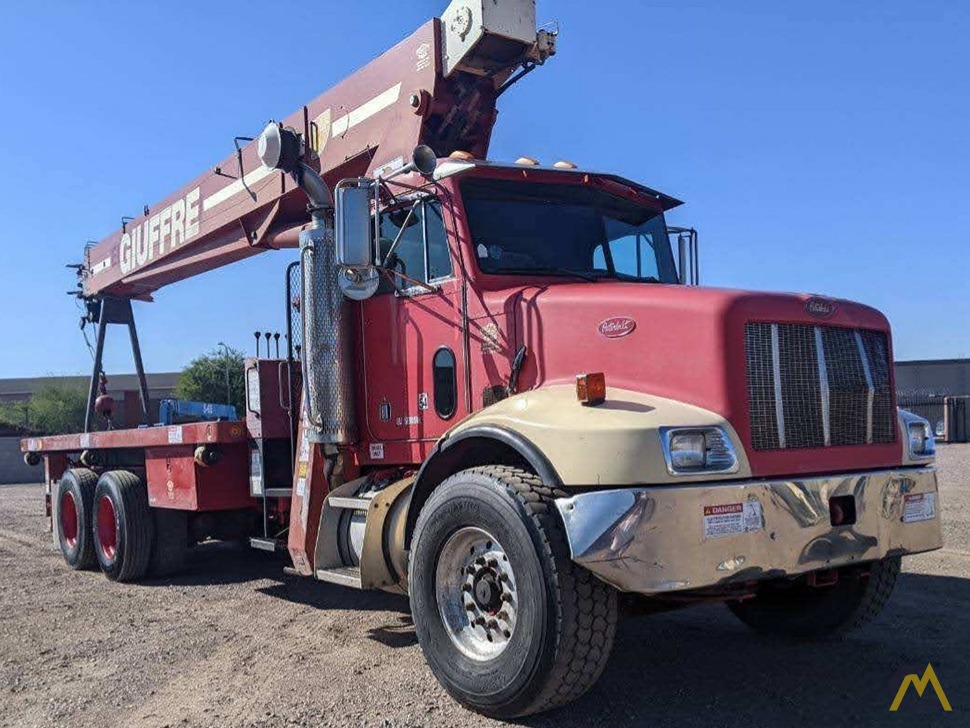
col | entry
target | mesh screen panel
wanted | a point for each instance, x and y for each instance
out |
(835, 396)
(761, 391)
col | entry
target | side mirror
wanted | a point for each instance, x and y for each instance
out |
(353, 229)
(688, 266)
(356, 274)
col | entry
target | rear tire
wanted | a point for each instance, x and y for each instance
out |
(559, 621)
(171, 542)
(74, 535)
(123, 526)
(798, 611)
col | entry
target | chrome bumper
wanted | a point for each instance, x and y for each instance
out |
(667, 538)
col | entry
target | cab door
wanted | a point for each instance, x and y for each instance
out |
(411, 331)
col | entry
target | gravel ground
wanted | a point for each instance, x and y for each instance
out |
(233, 643)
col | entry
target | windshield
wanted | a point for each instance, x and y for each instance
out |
(525, 228)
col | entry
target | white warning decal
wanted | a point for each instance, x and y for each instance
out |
(919, 507)
(174, 435)
(377, 451)
(732, 519)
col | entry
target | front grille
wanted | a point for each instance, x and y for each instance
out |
(818, 386)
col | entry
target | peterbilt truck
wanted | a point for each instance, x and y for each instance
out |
(504, 393)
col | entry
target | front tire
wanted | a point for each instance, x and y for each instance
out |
(507, 622)
(123, 526)
(798, 611)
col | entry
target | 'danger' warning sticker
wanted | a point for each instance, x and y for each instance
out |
(919, 507)
(732, 519)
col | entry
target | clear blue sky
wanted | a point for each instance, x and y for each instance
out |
(820, 146)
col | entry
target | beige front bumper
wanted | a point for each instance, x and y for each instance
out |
(667, 538)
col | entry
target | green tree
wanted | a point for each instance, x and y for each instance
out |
(205, 378)
(54, 409)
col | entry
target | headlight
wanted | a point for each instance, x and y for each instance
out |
(919, 436)
(698, 450)
(921, 442)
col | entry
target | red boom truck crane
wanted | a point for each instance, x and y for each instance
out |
(504, 395)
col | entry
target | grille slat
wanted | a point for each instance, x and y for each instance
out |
(830, 394)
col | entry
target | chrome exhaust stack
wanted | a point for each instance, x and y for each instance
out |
(327, 354)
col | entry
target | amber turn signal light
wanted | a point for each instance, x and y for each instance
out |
(591, 388)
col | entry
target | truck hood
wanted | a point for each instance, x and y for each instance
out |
(682, 343)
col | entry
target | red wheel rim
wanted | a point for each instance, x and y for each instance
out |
(107, 528)
(69, 519)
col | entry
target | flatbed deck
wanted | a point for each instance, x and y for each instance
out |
(196, 433)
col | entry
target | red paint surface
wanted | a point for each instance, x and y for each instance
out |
(69, 519)
(107, 527)
(176, 481)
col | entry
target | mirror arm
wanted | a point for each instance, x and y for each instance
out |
(400, 234)
(383, 186)
(413, 188)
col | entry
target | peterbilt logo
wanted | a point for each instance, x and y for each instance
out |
(820, 307)
(617, 326)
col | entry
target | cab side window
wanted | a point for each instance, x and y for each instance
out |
(421, 253)
(631, 255)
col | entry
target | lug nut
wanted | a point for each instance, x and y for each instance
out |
(466, 587)
(480, 561)
(503, 615)
(492, 624)
(493, 563)
(506, 597)
(470, 607)
(471, 570)
(480, 621)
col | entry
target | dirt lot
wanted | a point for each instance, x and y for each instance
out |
(235, 643)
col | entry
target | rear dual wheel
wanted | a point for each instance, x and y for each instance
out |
(107, 522)
(124, 526)
(74, 515)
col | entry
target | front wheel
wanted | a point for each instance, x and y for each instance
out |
(797, 610)
(507, 622)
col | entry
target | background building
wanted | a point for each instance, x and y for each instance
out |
(924, 386)
(122, 387)
(933, 377)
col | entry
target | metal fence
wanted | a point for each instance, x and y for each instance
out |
(947, 414)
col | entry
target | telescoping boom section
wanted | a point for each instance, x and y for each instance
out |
(437, 87)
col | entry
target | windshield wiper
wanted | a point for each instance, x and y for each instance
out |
(626, 277)
(563, 272)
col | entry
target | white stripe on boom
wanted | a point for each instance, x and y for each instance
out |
(366, 110)
(234, 188)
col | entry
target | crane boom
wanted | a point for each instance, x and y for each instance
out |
(437, 87)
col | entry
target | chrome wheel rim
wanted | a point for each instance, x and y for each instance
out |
(476, 593)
